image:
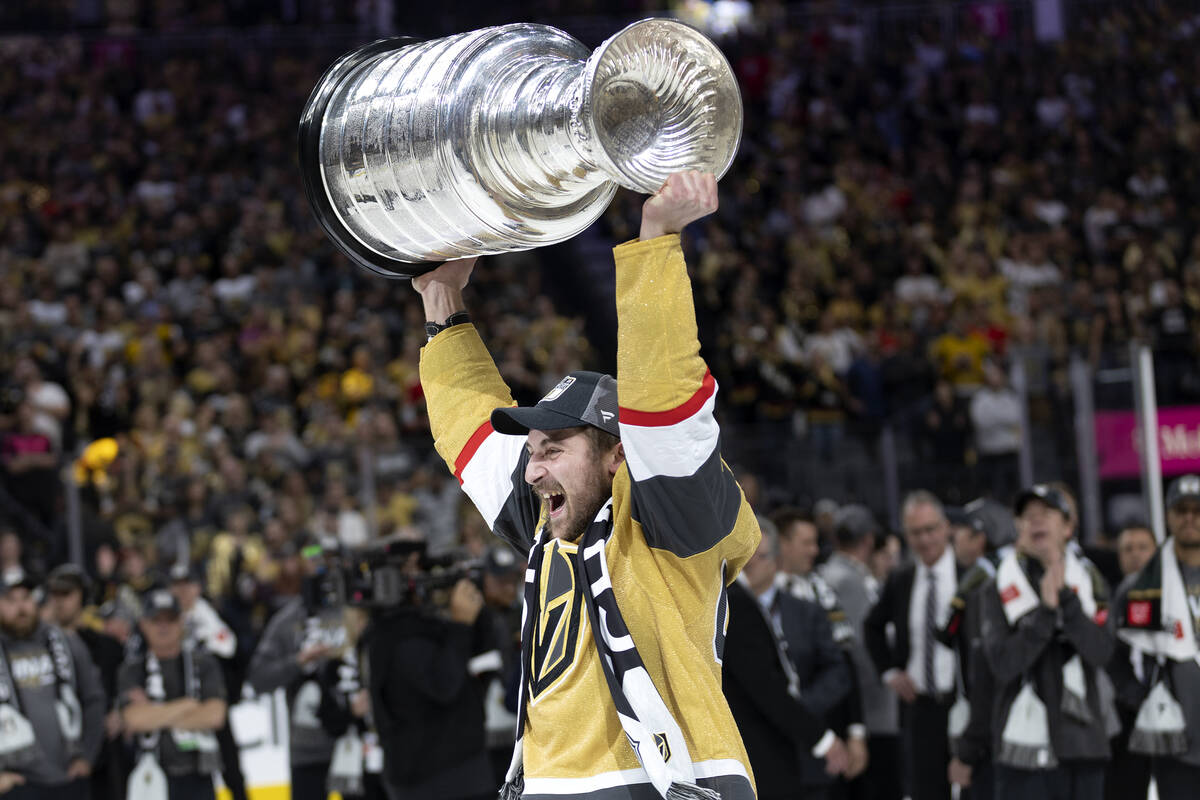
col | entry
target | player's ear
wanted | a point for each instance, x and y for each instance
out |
(616, 457)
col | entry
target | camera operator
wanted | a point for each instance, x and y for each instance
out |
(304, 634)
(174, 696)
(426, 699)
(503, 576)
(356, 771)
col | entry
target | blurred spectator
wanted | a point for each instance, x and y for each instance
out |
(503, 582)
(1128, 773)
(203, 627)
(797, 562)
(946, 438)
(1135, 547)
(1033, 667)
(307, 632)
(1155, 668)
(29, 461)
(782, 674)
(920, 669)
(996, 420)
(847, 572)
(55, 702)
(959, 354)
(67, 588)
(11, 560)
(174, 697)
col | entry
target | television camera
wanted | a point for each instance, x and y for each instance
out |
(396, 573)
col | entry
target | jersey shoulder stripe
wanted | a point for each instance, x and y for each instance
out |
(687, 409)
(469, 449)
(677, 448)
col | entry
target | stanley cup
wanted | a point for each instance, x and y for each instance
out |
(506, 138)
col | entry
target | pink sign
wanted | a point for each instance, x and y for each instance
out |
(1117, 442)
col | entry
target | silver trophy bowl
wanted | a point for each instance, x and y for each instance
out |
(506, 138)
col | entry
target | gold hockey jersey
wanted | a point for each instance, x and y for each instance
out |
(682, 531)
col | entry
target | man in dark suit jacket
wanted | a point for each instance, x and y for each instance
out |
(921, 670)
(779, 720)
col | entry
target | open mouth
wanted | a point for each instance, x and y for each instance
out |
(555, 501)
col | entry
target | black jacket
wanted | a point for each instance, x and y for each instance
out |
(1038, 646)
(427, 707)
(826, 675)
(776, 728)
(893, 606)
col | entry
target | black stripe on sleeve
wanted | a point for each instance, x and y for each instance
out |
(688, 515)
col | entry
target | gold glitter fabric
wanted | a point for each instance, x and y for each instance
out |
(462, 386)
(658, 353)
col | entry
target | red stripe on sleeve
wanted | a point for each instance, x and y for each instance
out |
(468, 452)
(659, 419)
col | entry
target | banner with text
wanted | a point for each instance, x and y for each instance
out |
(1118, 444)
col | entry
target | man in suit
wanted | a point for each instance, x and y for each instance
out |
(848, 573)
(778, 696)
(921, 670)
(799, 546)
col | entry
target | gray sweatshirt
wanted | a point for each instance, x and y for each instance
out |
(274, 666)
(32, 668)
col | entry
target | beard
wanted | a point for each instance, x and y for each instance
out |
(20, 626)
(581, 508)
(1191, 542)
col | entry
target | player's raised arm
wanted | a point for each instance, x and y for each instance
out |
(462, 386)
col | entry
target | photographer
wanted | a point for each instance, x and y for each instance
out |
(298, 640)
(356, 771)
(426, 699)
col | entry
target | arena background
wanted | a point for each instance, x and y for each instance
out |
(926, 193)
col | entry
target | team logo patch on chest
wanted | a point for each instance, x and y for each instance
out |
(560, 613)
(33, 670)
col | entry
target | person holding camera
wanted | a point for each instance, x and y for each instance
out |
(355, 771)
(632, 524)
(422, 667)
(301, 636)
(173, 697)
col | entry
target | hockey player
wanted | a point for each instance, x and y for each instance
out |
(632, 524)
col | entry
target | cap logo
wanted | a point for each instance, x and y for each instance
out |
(606, 415)
(1189, 485)
(563, 385)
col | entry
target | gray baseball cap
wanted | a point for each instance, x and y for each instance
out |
(581, 398)
(1185, 487)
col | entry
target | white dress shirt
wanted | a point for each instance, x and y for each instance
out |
(944, 661)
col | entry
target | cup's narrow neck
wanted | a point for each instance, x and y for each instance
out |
(536, 148)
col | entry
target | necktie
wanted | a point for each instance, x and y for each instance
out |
(930, 623)
(785, 660)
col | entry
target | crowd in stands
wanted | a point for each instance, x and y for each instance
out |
(903, 224)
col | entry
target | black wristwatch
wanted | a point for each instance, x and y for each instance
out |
(432, 329)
